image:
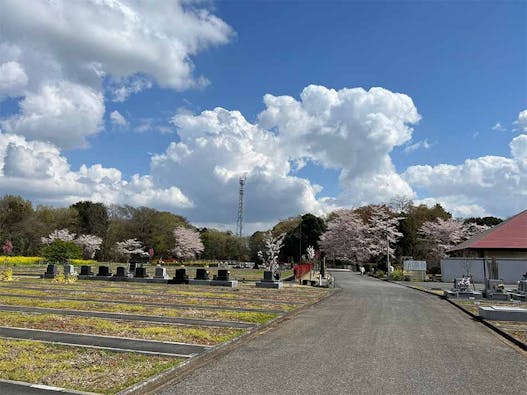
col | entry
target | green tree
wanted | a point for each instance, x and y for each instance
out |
(307, 232)
(92, 218)
(487, 221)
(61, 252)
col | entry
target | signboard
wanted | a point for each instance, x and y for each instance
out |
(414, 265)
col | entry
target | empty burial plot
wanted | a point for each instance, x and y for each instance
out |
(295, 294)
(111, 307)
(64, 332)
(120, 328)
(77, 368)
(58, 292)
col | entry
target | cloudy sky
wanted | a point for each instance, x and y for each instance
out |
(320, 105)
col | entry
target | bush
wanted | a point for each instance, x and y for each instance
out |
(380, 273)
(397, 275)
(7, 275)
(61, 252)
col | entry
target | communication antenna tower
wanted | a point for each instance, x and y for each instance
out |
(239, 223)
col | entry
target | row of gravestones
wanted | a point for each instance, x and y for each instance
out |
(494, 289)
(222, 278)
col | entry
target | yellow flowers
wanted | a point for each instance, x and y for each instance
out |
(6, 275)
(35, 260)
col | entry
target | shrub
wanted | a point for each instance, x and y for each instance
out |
(380, 273)
(7, 275)
(61, 251)
(397, 275)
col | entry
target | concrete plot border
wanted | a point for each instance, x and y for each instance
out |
(41, 388)
(179, 372)
(105, 342)
(488, 324)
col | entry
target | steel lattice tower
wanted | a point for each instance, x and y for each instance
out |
(239, 223)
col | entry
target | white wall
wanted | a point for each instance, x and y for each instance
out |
(509, 270)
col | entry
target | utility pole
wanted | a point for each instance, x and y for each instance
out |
(239, 222)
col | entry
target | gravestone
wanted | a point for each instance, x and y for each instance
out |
(104, 271)
(223, 279)
(132, 266)
(161, 273)
(69, 270)
(201, 278)
(140, 272)
(201, 274)
(494, 287)
(121, 272)
(86, 271)
(463, 289)
(181, 277)
(269, 281)
(51, 271)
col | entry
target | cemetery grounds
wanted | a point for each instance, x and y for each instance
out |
(109, 336)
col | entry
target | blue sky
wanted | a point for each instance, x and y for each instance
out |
(462, 64)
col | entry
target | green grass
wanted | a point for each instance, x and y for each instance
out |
(218, 315)
(119, 328)
(76, 367)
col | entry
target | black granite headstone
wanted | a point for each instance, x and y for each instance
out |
(140, 272)
(104, 271)
(132, 266)
(268, 275)
(202, 274)
(52, 269)
(223, 275)
(86, 270)
(121, 272)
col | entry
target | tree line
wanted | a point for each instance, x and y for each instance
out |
(25, 226)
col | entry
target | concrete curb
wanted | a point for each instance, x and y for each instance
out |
(488, 324)
(28, 388)
(177, 373)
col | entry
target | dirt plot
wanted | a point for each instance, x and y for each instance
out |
(77, 368)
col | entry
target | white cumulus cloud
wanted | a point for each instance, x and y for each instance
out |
(118, 119)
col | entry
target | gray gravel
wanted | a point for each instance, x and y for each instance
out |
(373, 337)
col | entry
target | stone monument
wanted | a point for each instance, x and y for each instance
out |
(269, 281)
(51, 271)
(223, 279)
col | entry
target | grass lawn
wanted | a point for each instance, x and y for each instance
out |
(119, 328)
(77, 368)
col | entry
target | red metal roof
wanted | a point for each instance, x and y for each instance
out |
(510, 234)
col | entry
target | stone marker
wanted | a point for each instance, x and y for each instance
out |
(121, 272)
(181, 277)
(223, 279)
(463, 289)
(161, 273)
(201, 274)
(69, 270)
(104, 271)
(269, 281)
(201, 278)
(51, 271)
(132, 266)
(86, 270)
(140, 272)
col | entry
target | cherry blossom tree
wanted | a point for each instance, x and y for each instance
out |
(441, 235)
(269, 255)
(346, 237)
(383, 231)
(89, 244)
(58, 234)
(130, 247)
(188, 243)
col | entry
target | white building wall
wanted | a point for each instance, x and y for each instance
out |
(509, 270)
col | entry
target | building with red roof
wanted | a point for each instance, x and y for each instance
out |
(505, 240)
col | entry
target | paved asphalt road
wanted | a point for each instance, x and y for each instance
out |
(372, 337)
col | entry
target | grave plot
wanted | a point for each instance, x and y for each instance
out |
(84, 335)
(147, 299)
(516, 329)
